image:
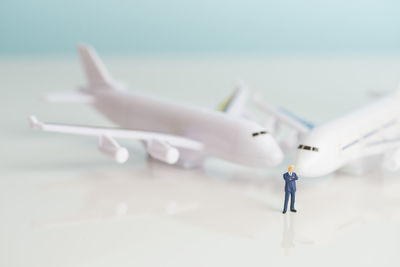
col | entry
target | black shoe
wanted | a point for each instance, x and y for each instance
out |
(293, 210)
(284, 211)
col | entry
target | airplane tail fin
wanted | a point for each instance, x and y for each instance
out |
(235, 103)
(96, 72)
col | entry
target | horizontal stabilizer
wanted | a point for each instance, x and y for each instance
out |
(67, 97)
(283, 115)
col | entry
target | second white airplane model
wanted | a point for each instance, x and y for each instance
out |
(347, 140)
(172, 133)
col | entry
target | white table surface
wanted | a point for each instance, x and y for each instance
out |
(62, 203)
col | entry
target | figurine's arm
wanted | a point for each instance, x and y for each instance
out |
(286, 177)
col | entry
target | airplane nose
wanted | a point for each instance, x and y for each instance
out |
(303, 165)
(301, 169)
(275, 155)
(307, 169)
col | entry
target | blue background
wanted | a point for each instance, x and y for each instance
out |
(197, 27)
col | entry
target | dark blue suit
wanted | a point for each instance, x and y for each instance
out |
(290, 189)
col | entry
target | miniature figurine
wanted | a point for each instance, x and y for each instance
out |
(171, 132)
(290, 178)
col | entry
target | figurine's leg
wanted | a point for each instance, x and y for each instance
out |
(286, 202)
(292, 199)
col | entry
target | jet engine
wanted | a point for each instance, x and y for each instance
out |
(162, 151)
(109, 147)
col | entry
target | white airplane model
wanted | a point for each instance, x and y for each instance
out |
(172, 133)
(372, 130)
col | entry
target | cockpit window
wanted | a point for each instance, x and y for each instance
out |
(311, 148)
(259, 133)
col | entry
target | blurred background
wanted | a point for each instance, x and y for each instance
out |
(63, 204)
(275, 47)
(200, 27)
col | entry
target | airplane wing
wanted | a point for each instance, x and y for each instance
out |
(159, 145)
(235, 103)
(297, 123)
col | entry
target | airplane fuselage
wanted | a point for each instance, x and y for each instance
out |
(374, 129)
(224, 136)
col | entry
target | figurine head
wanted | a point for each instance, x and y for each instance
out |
(290, 168)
